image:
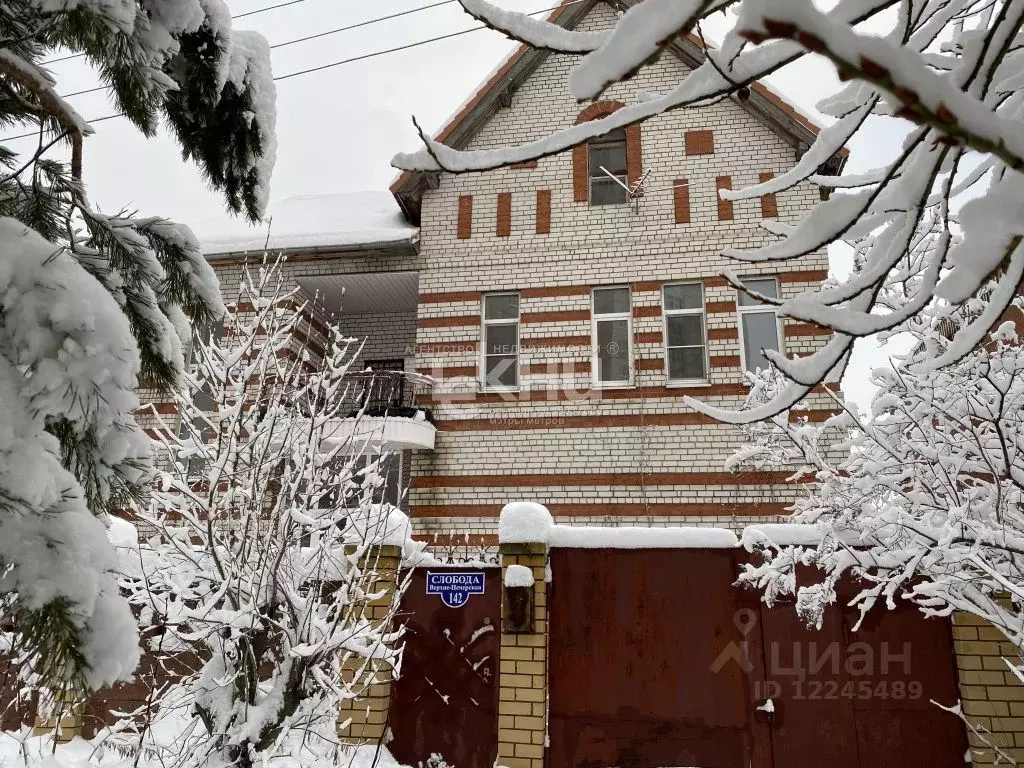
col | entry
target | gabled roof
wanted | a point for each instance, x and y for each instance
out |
(774, 111)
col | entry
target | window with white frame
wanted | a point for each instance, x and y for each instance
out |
(759, 324)
(611, 360)
(500, 360)
(685, 338)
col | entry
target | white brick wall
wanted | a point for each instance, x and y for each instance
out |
(593, 246)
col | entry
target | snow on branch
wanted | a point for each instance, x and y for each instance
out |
(537, 33)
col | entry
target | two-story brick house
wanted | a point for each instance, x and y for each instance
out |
(563, 322)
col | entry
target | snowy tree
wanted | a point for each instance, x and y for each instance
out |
(926, 506)
(92, 304)
(951, 68)
(257, 554)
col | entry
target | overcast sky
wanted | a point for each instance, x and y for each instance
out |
(338, 128)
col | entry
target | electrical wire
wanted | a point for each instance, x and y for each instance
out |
(320, 67)
(318, 35)
(238, 16)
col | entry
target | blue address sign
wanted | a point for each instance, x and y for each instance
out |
(455, 587)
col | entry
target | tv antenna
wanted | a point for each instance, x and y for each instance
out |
(634, 192)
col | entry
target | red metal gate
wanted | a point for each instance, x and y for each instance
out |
(445, 701)
(656, 660)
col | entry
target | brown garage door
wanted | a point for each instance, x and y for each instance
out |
(657, 660)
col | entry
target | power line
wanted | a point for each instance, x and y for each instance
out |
(366, 23)
(238, 16)
(329, 65)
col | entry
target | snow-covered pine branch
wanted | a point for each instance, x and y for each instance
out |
(257, 553)
(927, 505)
(948, 205)
(92, 304)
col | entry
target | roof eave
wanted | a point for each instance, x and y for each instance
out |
(407, 246)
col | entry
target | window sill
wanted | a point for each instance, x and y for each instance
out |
(686, 383)
(612, 385)
(496, 390)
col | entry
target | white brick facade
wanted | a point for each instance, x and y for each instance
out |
(635, 455)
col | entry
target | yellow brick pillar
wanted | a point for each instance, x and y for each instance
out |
(363, 719)
(992, 696)
(523, 672)
(61, 716)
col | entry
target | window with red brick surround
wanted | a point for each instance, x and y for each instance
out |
(634, 151)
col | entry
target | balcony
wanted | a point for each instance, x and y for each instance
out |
(381, 409)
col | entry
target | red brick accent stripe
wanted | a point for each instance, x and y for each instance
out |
(447, 298)
(790, 330)
(554, 342)
(543, 224)
(648, 311)
(525, 165)
(601, 479)
(449, 371)
(504, 226)
(559, 316)
(648, 337)
(634, 155)
(724, 361)
(555, 291)
(715, 281)
(724, 206)
(451, 321)
(708, 509)
(433, 348)
(501, 423)
(712, 307)
(723, 334)
(464, 225)
(580, 181)
(681, 201)
(804, 276)
(769, 205)
(650, 364)
(559, 366)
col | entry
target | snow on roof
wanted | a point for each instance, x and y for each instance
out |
(342, 220)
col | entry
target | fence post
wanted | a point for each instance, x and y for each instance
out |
(991, 695)
(523, 668)
(363, 719)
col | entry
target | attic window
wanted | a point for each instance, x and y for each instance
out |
(608, 152)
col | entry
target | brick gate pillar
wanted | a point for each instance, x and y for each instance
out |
(992, 696)
(364, 719)
(523, 664)
(61, 716)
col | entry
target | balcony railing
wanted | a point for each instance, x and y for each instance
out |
(386, 393)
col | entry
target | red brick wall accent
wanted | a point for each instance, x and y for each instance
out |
(724, 206)
(504, 228)
(699, 142)
(681, 199)
(464, 228)
(580, 183)
(543, 211)
(634, 155)
(634, 151)
(526, 164)
(769, 206)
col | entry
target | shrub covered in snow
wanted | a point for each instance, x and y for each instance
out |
(927, 504)
(256, 552)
